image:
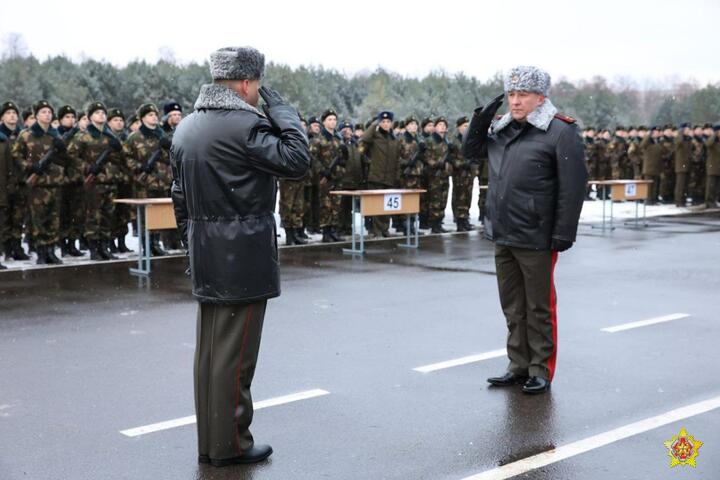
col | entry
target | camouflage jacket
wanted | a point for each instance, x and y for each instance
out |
(617, 152)
(409, 144)
(15, 172)
(438, 151)
(325, 150)
(30, 147)
(6, 178)
(85, 149)
(139, 148)
(354, 176)
(462, 167)
(683, 149)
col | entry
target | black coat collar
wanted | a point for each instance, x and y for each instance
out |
(409, 137)
(37, 131)
(329, 136)
(149, 132)
(7, 132)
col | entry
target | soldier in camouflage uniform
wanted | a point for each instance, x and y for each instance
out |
(172, 116)
(591, 156)
(17, 190)
(311, 218)
(712, 166)
(123, 213)
(635, 155)
(439, 167)
(292, 209)
(42, 156)
(72, 198)
(354, 177)
(682, 159)
(667, 175)
(652, 151)
(329, 154)
(617, 153)
(602, 160)
(464, 172)
(97, 155)
(147, 154)
(6, 181)
(696, 176)
(427, 127)
(411, 164)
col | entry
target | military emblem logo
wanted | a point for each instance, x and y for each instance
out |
(683, 449)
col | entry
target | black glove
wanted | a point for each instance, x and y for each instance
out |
(272, 99)
(59, 145)
(37, 169)
(487, 113)
(422, 146)
(560, 245)
(95, 169)
(148, 168)
(345, 152)
(114, 143)
(452, 148)
(326, 173)
(165, 143)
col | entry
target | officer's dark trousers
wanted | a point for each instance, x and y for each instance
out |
(228, 341)
(527, 295)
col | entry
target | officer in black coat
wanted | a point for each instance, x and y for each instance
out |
(537, 178)
(226, 159)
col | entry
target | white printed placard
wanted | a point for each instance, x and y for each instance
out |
(631, 190)
(393, 202)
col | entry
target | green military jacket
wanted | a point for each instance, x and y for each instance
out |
(652, 156)
(6, 179)
(382, 150)
(460, 165)
(712, 162)
(30, 147)
(617, 152)
(682, 153)
(409, 144)
(139, 148)
(436, 154)
(85, 149)
(354, 170)
(325, 151)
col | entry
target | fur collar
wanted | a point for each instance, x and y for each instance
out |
(92, 130)
(539, 118)
(7, 132)
(409, 137)
(150, 132)
(329, 136)
(213, 96)
(37, 131)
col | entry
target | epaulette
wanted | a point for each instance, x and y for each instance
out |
(565, 118)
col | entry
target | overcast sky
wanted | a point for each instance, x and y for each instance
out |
(643, 40)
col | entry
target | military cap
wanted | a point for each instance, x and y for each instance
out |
(642, 127)
(146, 108)
(716, 127)
(410, 119)
(114, 113)
(425, 121)
(8, 106)
(328, 113)
(345, 125)
(237, 63)
(312, 119)
(172, 107)
(462, 121)
(656, 127)
(359, 126)
(26, 113)
(631, 127)
(441, 119)
(684, 125)
(40, 104)
(386, 115)
(707, 125)
(132, 119)
(94, 107)
(66, 110)
(401, 124)
(527, 79)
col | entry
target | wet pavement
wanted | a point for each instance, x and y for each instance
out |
(90, 351)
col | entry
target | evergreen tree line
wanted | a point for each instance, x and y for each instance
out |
(25, 79)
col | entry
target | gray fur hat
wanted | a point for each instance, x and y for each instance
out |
(527, 79)
(237, 63)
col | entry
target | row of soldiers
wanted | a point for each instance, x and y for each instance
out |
(683, 162)
(381, 154)
(60, 175)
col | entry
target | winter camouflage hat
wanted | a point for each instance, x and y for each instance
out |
(237, 63)
(8, 106)
(527, 79)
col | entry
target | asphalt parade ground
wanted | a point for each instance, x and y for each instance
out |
(375, 367)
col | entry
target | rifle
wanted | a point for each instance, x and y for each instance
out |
(444, 165)
(340, 161)
(39, 169)
(150, 166)
(95, 168)
(419, 155)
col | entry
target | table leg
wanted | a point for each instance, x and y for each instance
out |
(143, 239)
(603, 215)
(356, 209)
(611, 211)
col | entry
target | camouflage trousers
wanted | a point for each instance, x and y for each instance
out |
(72, 211)
(3, 225)
(482, 197)
(696, 182)
(711, 189)
(438, 188)
(330, 205)
(44, 220)
(681, 184)
(424, 183)
(667, 182)
(461, 196)
(311, 217)
(123, 213)
(99, 209)
(292, 203)
(18, 212)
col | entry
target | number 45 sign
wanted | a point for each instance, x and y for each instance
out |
(393, 202)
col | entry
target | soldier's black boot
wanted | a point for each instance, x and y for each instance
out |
(437, 227)
(95, 253)
(290, 237)
(63, 247)
(105, 250)
(8, 248)
(300, 233)
(50, 256)
(155, 249)
(326, 236)
(122, 248)
(112, 248)
(334, 235)
(2, 267)
(41, 255)
(17, 251)
(297, 238)
(83, 244)
(71, 249)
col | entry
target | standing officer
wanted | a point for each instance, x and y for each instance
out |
(438, 160)
(683, 149)
(5, 185)
(712, 166)
(696, 183)
(227, 156)
(537, 184)
(311, 219)
(123, 213)
(352, 178)
(72, 198)
(652, 151)
(42, 156)
(411, 162)
(17, 190)
(383, 153)
(427, 127)
(464, 172)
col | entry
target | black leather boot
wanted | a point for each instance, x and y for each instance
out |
(257, 453)
(50, 256)
(437, 227)
(155, 249)
(105, 250)
(334, 235)
(63, 247)
(95, 253)
(300, 233)
(536, 385)
(41, 255)
(507, 380)
(17, 251)
(112, 248)
(74, 252)
(326, 235)
(289, 237)
(122, 248)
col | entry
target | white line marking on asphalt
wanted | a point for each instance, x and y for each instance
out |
(644, 323)
(189, 420)
(596, 441)
(462, 361)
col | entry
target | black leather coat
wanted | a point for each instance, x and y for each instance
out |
(226, 158)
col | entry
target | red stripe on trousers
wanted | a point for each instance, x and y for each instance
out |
(553, 317)
(238, 379)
